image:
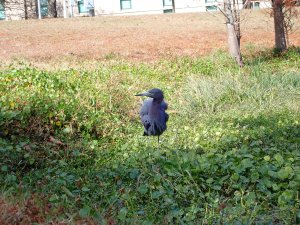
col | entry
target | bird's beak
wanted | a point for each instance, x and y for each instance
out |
(145, 94)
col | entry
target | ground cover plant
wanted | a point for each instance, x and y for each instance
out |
(72, 149)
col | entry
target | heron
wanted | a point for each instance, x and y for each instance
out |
(153, 113)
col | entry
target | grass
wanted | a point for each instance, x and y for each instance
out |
(72, 149)
(138, 38)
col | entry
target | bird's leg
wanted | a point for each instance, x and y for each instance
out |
(149, 145)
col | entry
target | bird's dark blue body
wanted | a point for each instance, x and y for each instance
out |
(154, 117)
(153, 113)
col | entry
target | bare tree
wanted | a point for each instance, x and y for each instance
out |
(280, 38)
(52, 8)
(232, 15)
(27, 9)
(173, 6)
(284, 12)
(20, 9)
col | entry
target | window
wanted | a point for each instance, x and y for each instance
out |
(125, 4)
(168, 10)
(255, 5)
(44, 7)
(82, 8)
(2, 10)
(167, 2)
(210, 1)
(211, 8)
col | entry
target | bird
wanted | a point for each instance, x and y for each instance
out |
(153, 113)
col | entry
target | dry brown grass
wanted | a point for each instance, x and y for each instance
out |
(26, 213)
(145, 38)
(35, 211)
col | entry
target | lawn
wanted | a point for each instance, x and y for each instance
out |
(137, 38)
(72, 150)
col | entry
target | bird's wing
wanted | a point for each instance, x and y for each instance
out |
(144, 114)
(164, 105)
(167, 117)
(146, 107)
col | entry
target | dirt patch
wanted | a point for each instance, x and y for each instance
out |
(33, 211)
(145, 38)
(27, 213)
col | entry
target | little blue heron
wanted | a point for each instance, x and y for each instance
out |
(153, 115)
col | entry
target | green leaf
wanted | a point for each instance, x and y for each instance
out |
(67, 191)
(4, 168)
(11, 177)
(272, 173)
(156, 194)
(134, 173)
(85, 211)
(285, 197)
(85, 189)
(143, 189)
(216, 187)
(66, 130)
(209, 180)
(247, 163)
(279, 159)
(285, 172)
(266, 182)
(254, 176)
(53, 198)
(122, 214)
(76, 152)
(294, 184)
(264, 169)
(250, 198)
(275, 187)
(235, 177)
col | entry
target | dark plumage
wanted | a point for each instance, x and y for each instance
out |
(153, 115)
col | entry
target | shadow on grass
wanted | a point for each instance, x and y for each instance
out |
(272, 55)
(274, 130)
(234, 182)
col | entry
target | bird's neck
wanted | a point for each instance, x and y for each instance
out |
(157, 101)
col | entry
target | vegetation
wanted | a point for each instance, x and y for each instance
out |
(72, 149)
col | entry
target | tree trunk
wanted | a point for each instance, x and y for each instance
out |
(55, 9)
(173, 6)
(280, 38)
(52, 8)
(25, 10)
(236, 18)
(233, 43)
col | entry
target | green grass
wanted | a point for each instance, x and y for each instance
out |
(71, 142)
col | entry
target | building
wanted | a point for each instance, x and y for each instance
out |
(26, 9)
(260, 4)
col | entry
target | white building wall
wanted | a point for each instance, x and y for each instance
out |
(138, 7)
(152, 6)
(186, 6)
(113, 7)
(263, 4)
(108, 7)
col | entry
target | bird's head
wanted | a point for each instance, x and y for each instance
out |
(154, 93)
